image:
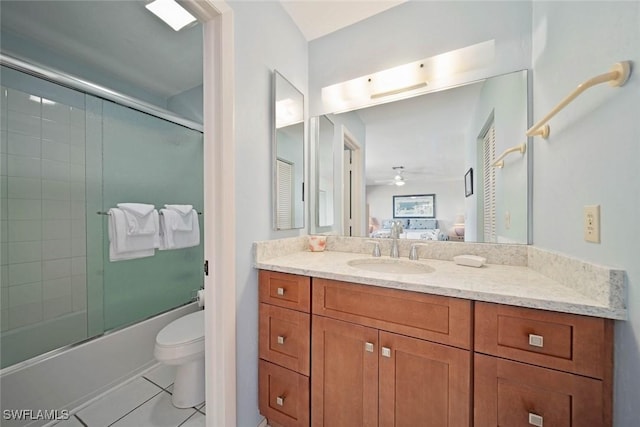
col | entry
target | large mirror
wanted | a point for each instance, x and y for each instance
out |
(288, 154)
(444, 144)
(322, 133)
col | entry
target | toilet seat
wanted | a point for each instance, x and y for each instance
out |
(181, 340)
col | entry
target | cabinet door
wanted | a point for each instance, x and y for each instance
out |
(515, 394)
(423, 383)
(344, 372)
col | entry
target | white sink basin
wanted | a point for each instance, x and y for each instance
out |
(390, 265)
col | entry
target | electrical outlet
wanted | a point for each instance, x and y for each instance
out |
(592, 223)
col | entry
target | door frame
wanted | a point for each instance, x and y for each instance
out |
(219, 208)
(350, 142)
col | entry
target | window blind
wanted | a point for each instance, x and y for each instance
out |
(284, 195)
(489, 155)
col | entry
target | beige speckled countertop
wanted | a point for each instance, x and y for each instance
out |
(597, 291)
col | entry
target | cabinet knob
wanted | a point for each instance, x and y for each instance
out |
(280, 291)
(280, 400)
(536, 340)
(535, 420)
(368, 347)
(386, 352)
(280, 340)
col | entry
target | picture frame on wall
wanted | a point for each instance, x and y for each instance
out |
(414, 206)
(468, 183)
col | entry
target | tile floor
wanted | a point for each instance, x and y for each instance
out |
(143, 402)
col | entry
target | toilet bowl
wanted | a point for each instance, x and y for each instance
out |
(181, 343)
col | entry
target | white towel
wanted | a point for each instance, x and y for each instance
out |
(139, 218)
(123, 246)
(185, 220)
(173, 238)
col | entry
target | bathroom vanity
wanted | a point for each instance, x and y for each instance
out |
(404, 349)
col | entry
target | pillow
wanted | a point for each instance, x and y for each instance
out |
(386, 223)
(422, 224)
(431, 234)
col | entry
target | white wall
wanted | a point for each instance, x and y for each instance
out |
(506, 97)
(449, 200)
(592, 156)
(265, 39)
(420, 29)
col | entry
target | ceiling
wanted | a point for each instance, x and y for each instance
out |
(317, 18)
(104, 35)
(425, 134)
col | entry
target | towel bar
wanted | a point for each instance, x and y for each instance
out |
(618, 76)
(107, 213)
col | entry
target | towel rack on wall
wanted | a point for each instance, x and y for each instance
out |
(499, 162)
(107, 213)
(618, 76)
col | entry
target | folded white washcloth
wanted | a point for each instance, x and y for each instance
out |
(185, 221)
(181, 209)
(139, 218)
(173, 238)
(123, 246)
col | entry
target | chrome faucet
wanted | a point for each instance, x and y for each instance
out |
(396, 230)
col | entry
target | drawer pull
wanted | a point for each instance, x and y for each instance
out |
(535, 420)
(386, 352)
(280, 401)
(536, 341)
(280, 340)
(280, 291)
(368, 347)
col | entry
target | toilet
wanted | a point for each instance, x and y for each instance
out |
(181, 343)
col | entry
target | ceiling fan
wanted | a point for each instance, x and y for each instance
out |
(398, 178)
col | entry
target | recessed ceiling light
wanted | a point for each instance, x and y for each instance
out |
(171, 13)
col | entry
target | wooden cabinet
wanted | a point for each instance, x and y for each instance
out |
(340, 354)
(423, 383)
(365, 374)
(284, 348)
(535, 368)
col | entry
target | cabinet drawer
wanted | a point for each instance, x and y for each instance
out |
(567, 342)
(285, 290)
(283, 395)
(285, 337)
(515, 394)
(430, 317)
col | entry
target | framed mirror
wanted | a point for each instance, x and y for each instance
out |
(288, 155)
(322, 133)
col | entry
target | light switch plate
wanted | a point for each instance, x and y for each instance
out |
(592, 223)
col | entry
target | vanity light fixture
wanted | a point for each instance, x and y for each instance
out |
(411, 79)
(397, 91)
(171, 13)
(499, 163)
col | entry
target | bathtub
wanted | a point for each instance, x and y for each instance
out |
(70, 378)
